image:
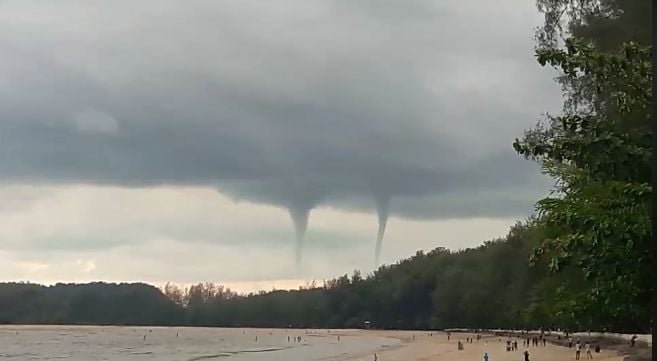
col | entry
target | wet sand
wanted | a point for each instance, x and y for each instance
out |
(438, 348)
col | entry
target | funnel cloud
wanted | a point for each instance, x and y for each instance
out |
(300, 220)
(382, 211)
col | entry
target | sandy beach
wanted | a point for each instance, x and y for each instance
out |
(83, 343)
(425, 348)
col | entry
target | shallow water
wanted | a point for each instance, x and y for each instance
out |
(87, 343)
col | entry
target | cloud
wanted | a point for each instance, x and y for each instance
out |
(33, 267)
(407, 100)
(95, 122)
(293, 104)
(86, 265)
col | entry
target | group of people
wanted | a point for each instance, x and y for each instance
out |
(298, 338)
(459, 343)
(587, 348)
(512, 345)
(535, 341)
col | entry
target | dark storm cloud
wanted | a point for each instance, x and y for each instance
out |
(289, 103)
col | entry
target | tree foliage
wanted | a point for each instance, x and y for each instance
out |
(599, 217)
(607, 24)
(94, 303)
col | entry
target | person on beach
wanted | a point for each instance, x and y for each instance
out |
(587, 347)
(526, 353)
(570, 342)
(578, 350)
(375, 358)
(597, 348)
(544, 342)
(485, 356)
(633, 341)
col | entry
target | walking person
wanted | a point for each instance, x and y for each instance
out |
(587, 347)
(578, 350)
(526, 353)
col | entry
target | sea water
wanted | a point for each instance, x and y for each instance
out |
(89, 343)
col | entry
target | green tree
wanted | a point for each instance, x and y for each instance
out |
(599, 217)
(605, 23)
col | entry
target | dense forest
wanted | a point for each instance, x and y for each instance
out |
(582, 262)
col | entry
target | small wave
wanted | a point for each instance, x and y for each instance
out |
(206, 357)
(11, 355)
(261, 350)
(265, 349)
(230, 353)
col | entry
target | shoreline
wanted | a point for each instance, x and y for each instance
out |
(408, 345)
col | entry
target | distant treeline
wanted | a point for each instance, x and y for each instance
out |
(93, 303)
(489, 286)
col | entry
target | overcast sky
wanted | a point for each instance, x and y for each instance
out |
(177, 140)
